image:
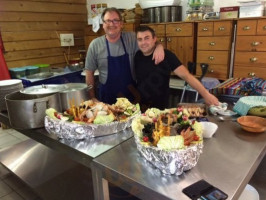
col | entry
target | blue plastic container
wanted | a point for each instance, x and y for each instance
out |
(17, 72)
(31, 70)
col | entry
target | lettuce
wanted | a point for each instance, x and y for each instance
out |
(104, 119)
(50, 113)
(171, 142)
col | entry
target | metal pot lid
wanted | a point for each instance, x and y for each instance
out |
(70, 87)
(43, 89)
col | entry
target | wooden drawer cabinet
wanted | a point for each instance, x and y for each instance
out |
(177, 37)
(205, 29)
(251, 58)
(180, 29)
(261, 27)
(158, 28)
(213, 57)
(246, 27)
(247, 71)
(160, 32)
(180, 39)
(251, 43)
(250, 50)
(214, 43)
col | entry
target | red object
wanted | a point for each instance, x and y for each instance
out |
(4, 73)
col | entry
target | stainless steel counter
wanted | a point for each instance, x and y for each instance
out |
(228, 161)
(81, 151)
(56, 168)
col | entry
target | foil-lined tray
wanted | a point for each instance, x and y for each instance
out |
(173, 162)
(69, 130)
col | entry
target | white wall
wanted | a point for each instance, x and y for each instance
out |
(127, 4)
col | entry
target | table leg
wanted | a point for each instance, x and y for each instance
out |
(100, 185)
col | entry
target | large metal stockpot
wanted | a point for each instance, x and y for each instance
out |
(74, 94)
(28, 111)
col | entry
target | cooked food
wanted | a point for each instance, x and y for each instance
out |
(194, 110)
(97, 112)
(163, 129)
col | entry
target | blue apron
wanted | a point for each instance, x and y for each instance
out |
(119, 79)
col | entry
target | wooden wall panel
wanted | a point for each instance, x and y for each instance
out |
(30, 30)
(47, 7)
(49, 17)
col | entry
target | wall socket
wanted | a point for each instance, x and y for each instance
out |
(67, 39)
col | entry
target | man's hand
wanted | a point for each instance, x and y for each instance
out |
(211, 100)
(158, 54)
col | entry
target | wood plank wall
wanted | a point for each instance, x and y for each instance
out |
(30, 30)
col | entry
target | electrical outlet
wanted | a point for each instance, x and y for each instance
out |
(67, 39)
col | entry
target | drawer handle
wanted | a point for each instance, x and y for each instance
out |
(264, 27)
(212, 43)
(255, 43)
(205, 29)
(254, 59)
(245, 28)
(221, 28)
(211, 57)
(210, 70)
(251, 74)
(161, 40)
(168, 39)
(178, 29)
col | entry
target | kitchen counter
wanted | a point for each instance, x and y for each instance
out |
(57, 168)
(228, 161)
(81, 151)
(58, 78)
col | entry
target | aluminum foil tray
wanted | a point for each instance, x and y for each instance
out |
(70, 130)
(173, 162)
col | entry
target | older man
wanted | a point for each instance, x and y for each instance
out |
(113, 55)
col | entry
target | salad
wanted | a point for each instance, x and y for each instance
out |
(170, 129)
(91, 112)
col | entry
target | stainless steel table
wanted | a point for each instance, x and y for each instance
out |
(81, 151)
(228, 162)
(56, 168)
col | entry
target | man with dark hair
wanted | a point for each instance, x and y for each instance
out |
(113, 56)
(153, 80)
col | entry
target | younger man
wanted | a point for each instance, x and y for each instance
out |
(153, 80)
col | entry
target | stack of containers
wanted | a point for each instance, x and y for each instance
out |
(20, 72)
(17, 72)
(43, 67)
(31, 70)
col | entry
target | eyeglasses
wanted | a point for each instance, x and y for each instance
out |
(114, 21)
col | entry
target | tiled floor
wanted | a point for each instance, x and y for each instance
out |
(12, 188)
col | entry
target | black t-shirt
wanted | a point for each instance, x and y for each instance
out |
(153, 80)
